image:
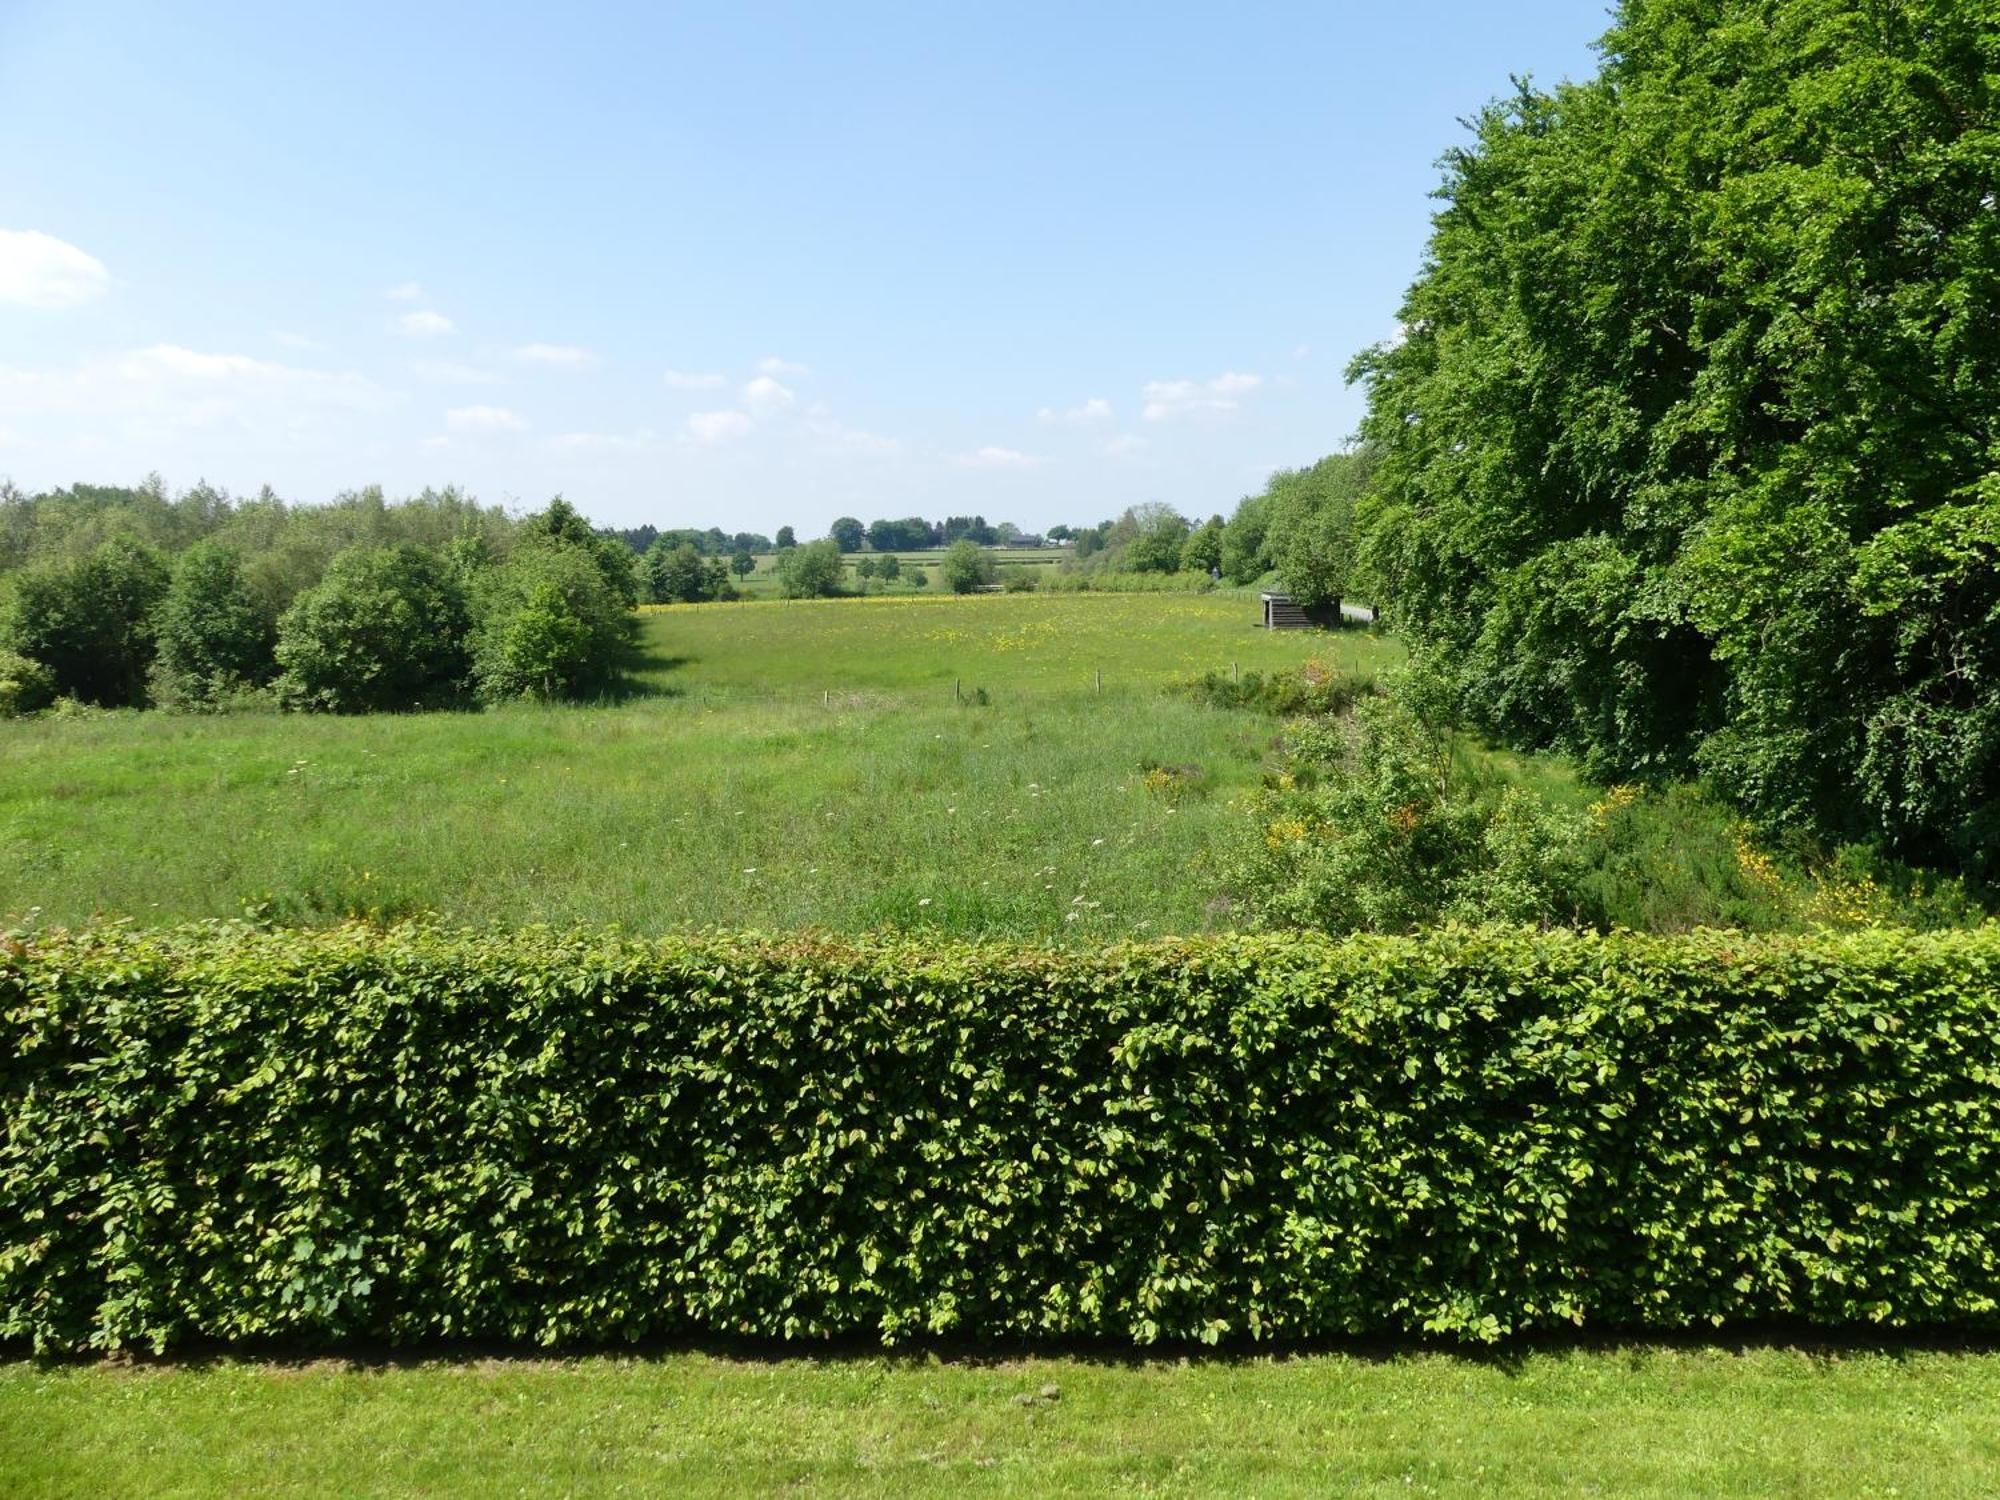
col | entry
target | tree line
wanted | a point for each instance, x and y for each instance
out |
(126, 598)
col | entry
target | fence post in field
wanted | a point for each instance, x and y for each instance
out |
(1098, 676)
(1234, 676)
(955, 695)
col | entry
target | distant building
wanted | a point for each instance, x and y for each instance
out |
(1282, 612)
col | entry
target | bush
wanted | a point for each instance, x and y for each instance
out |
(26, 686)
(224, 1134)
(387, 628)
(1313, 687)
(1375, 825)
(549, 628)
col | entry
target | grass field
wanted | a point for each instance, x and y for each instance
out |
(786, 764)
(1640, 1422)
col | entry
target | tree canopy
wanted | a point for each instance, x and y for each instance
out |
(1688, 455)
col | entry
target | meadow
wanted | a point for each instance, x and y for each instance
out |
(972, 765)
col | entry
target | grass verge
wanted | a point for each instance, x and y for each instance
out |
(1643, 1421)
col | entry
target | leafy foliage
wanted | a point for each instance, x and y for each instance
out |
(966, 566)
(225, 1134)
(549, 628)
(1311, 688)
(1688, 457)
(1375, 825)
(89, 622)
(213, 638)
(562, 524)
(675, 574)
(1309, 525)
(26, 686)
(811, 571)
(386, 629)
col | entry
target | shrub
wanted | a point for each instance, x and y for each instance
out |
(1313, 687)
(387, 628)
(1374, 825)
(26, 686)
(225, 1134)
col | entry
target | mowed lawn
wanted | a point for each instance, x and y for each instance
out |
(786, 765)
(1665, 1422)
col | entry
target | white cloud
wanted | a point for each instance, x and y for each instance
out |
(718, 426)
(992, 457)
(424, 323)
(405, 291)
(1167, 400)
(8, 437)
(483, 419)
(601, 442)
(765, 396)
(838, 437)
(1095, 410)
(687, 380)
(451, 372)
(567, 356)
(1124, 445)
(772, 365)
(296, 341)
(145, 396)
(38, 270)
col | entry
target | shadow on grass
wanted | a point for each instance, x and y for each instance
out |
(641, 677)
(1510, 1357)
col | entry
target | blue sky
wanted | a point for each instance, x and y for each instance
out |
(733, 264)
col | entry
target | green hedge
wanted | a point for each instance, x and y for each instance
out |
(220, 1133)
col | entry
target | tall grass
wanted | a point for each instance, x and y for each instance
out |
(783, 765)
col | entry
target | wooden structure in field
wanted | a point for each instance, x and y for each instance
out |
(1282, 612)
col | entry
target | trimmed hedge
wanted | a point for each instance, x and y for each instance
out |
(221, 1133)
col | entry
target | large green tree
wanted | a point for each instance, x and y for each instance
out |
(1689, 456)
(810, 572)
